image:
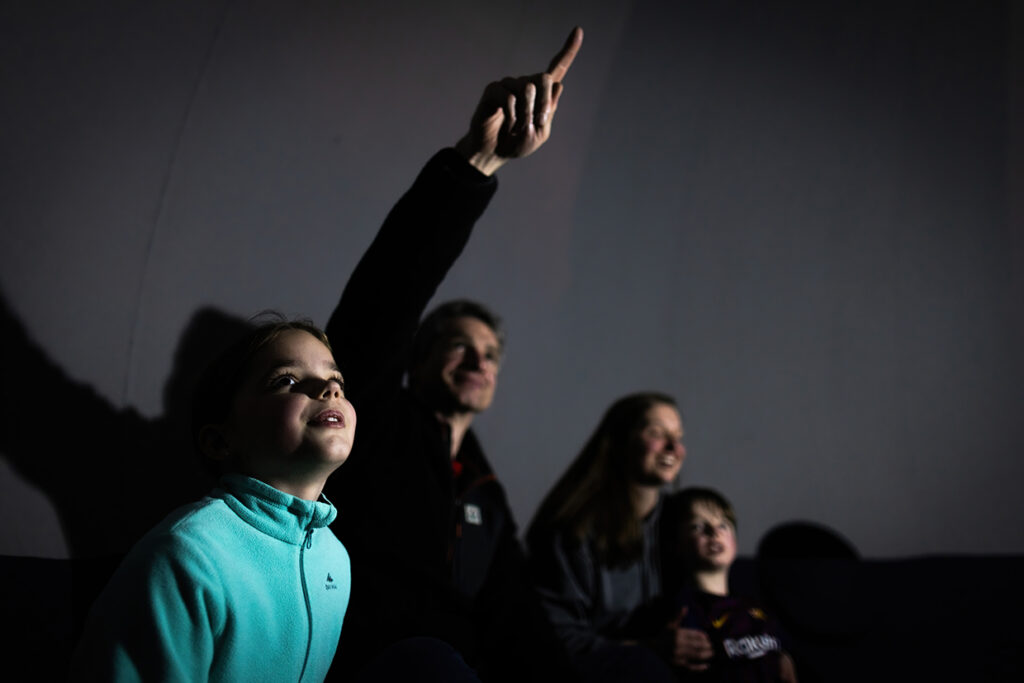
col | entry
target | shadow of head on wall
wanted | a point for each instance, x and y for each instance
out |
(813, 578)
(111, 473)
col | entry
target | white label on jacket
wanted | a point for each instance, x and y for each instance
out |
(473, 515)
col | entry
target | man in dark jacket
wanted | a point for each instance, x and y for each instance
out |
(432, 540)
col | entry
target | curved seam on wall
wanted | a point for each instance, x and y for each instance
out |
(161, 204)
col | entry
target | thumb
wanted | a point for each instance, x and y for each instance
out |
(678, 620)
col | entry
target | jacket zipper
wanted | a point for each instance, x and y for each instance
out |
(458, 509)
(306, 544)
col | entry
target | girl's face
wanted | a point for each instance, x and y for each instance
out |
(290, 417)
(712, 538)
(658, 450)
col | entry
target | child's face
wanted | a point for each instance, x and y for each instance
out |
(290, 416)
(712, 538)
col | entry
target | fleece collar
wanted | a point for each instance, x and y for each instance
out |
(275, 513)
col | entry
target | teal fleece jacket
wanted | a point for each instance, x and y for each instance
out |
(247, 584)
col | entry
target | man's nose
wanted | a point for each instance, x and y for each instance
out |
(472, 358)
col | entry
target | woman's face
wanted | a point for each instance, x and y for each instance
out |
(657, 446)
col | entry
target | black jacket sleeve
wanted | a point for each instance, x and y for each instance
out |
(372, 328)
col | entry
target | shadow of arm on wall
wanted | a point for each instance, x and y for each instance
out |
(110, 473)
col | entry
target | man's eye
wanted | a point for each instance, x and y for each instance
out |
(282, 381)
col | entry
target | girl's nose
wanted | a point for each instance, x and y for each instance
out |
(331, 388)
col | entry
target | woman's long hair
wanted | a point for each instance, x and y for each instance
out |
(594, 497)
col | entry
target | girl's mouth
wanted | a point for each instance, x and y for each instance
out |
(328, 418)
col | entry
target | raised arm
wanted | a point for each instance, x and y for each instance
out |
(514, 116)
(373, 325)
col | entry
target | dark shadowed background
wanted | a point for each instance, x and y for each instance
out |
(805, 220)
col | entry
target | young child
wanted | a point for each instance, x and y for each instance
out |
(247, 583)
(702, 540)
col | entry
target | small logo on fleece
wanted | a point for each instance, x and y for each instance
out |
(330, 585)
(717, 623)
(473, 515)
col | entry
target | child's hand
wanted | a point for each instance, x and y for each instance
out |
(787, 670)
(690, 648)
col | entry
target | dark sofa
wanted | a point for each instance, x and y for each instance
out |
(931, 618)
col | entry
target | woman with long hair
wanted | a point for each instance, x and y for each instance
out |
(594, 550)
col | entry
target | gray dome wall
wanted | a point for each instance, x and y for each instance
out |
(805, 221)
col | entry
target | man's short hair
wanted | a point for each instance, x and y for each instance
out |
(433, 325)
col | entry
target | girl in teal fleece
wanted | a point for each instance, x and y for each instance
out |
(247, 583)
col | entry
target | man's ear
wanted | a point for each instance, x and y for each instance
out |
(213, 443)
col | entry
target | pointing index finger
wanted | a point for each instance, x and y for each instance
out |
(563, 60)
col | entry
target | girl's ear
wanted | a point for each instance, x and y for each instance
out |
(213, 443)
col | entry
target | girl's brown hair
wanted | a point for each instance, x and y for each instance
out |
(217, 386)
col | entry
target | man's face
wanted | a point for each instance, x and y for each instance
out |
(290, 414)
(460, 372)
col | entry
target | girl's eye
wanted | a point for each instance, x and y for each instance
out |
(282, 381)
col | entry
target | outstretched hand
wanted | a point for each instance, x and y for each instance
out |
(513, 118)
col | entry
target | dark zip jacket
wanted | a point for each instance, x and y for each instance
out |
(432, 554)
